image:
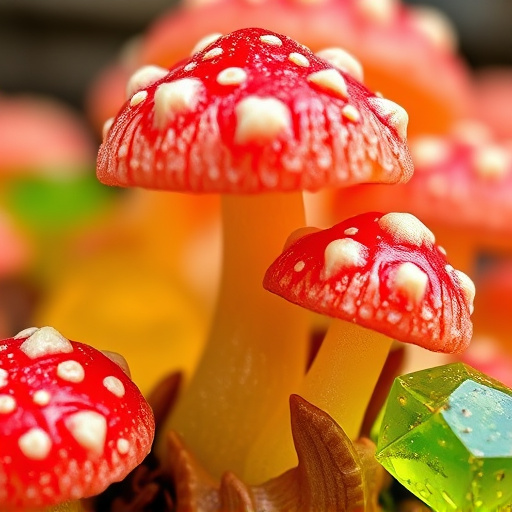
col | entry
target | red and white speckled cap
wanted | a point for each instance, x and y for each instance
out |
(462, 181)
(71, 421)
(383, 272)
(250, 112)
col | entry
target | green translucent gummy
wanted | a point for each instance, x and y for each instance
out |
(446, 435)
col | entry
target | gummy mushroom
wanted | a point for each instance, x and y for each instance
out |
(406, 51)
(461, 188)
(380, 277)
(409, 52)
(248, 113)
(71, 421)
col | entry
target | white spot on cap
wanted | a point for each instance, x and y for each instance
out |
(211, 54)
(190, 66)
(89, 428)
(343, 253)
(144, 77)
(299, 59)
(299, 266)
(405, 227)
(378, 11)
(331, 80)
(7, 404)
(174, 97)
(44, 342)
(35, 444)
(270, 39)
(428, 151)
(395, 115)
(42, 397)
(205, 41)
(3, 378)
(26, 332)
(123, 446)
(351, 231)
(435, 26)
(71, 371)
(344, 61)
(232, 76)
(468, 288)
(114, 385)
(106, 126)
(351, 113)
(260, 119)
(492, 162)
(138, 97)
(411, 280)
(473, 133)
(123, 151)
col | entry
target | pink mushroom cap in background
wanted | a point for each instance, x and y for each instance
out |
(492, 102)
(462, 183)
(408, 53)
(41, 135)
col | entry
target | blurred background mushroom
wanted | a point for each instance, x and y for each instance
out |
(57, 47)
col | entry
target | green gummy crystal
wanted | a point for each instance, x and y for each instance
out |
(446, 435)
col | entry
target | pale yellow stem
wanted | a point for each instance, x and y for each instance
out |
(256, 353)
(340, 381)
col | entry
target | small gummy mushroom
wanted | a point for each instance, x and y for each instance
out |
(71, 421)
(251, 115)
(446, 435)
(380, 277)
(461, 188)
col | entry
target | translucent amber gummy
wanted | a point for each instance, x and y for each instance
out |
(446, 435)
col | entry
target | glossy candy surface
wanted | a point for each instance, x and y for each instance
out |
(446, 435)
(71, 421)
(249, 112)
(383, 272)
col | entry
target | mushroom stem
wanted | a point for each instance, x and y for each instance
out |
(255, 356)
(340, 382)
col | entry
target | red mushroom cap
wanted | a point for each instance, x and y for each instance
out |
(406, 51)
(249, 112)
(383, 272)
(71, 421)
(462, 181)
